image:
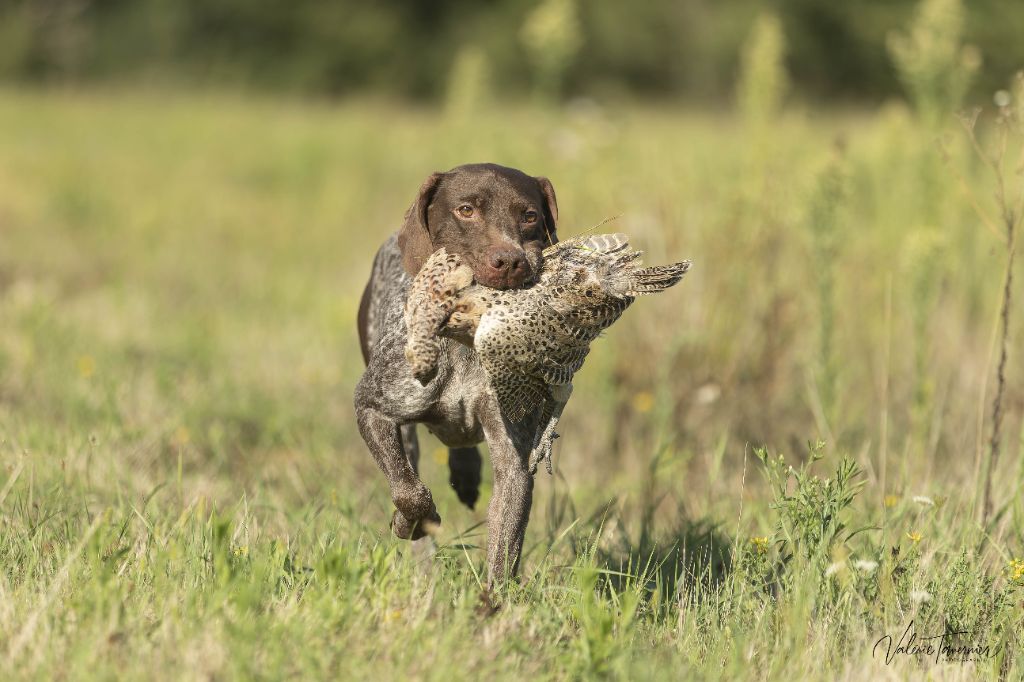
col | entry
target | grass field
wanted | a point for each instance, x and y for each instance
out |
(184, 495)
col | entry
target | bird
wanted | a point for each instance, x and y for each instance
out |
(531, 341)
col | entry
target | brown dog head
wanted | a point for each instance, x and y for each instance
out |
(497, 219)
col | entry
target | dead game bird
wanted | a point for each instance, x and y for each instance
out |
(530, 341)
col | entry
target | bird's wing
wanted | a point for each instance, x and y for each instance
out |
(507, 356)
(518, 394)
(587, 308)
(560, 367)
(524, 350)
(554, 348)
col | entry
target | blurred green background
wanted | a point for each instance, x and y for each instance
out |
(656, 48)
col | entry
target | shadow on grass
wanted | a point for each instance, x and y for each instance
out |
(669, 555)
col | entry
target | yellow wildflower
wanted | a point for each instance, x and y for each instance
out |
(891, 501)
(643, 401)
(760, 544)
(1017, 570)
(914, 536)
(86, 366)
(181, 436)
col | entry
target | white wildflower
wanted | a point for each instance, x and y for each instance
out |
(920, 596)
(865, 565)
(924, 501)
(833, 569)
(708, 393)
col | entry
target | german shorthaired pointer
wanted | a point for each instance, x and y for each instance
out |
(498, 220)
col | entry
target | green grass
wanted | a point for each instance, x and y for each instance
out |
(184, 494)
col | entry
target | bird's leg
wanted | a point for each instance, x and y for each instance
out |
(542, 438)
(546, 435)
(422, 349)
(542, 451)
(432, 298)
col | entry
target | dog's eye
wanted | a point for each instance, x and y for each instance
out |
(530, 217)
(465, 211)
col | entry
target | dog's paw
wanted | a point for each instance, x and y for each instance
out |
(402, 527)
(415, 513)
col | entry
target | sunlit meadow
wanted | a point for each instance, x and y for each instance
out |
(763, 472)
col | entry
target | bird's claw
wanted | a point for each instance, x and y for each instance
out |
(542, 453)
(547, 454)
(536, 456)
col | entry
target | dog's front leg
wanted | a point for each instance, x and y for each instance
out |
(512, 497)
(413, 502)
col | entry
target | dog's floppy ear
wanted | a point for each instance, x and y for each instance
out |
(414, 237)
(550, 208)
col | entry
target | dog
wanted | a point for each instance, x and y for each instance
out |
(498, 220)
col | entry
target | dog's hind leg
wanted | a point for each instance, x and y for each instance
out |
(464, 465)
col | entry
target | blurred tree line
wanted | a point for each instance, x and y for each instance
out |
(408, 48)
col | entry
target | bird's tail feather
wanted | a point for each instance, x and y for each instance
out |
(656, 278)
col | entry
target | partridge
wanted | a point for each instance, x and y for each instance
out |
(531, 342)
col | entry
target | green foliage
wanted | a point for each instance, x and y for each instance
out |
(468, 84)
(763, 78)
(15, 38)
(150, 587)
(933, 64)
(658, 48)
(924, 254)
(824, 221)
(551, 38)
(811, 510)
(605, 617)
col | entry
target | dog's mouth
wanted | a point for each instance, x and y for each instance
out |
(504, 282)
(519, 279)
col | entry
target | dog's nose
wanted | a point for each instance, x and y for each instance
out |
(508, 261)
(509, 265)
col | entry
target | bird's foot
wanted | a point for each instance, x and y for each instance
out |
(542, 453)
